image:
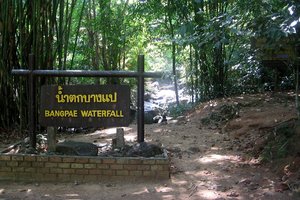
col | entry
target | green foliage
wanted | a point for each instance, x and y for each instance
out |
(278, 144)
(180, 110)
(204, 44)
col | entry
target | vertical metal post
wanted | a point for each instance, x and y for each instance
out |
(140, 102)
(31, 107)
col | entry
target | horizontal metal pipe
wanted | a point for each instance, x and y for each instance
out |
(85, 73)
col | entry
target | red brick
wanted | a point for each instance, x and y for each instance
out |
(90, 178)
(17, 158)
(38, 176)
(130, 167)
(30, 158)
(24, 164)
(166, 167)
(82, 171)
(55, 159)
(149, 173)
(122, 173)
(64, 165)
(108, 161)
(56, 171)
(95, 171)
(68, 159)
(108, 172)
(122, 161)
(49, 177)
(5, 169)
(23, 176)
(135, 173)
(30, 169)
(149, 162)
(76, 177)
(12, 163)
(42, 170)
(95, 160)
(63, 177)
(50, 165)
(90, 166)
(18, 169)
(116, 166)
(69, 171)
(156, 167)
(7, 176)
(162, 161)
(5, 157)
(102, 166)
(38, 164)
(135, 161)
(143, 167)
(163, 174)
(82, 160)
(42, 158)
(76, 165)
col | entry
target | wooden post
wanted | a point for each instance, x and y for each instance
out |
(140, 102)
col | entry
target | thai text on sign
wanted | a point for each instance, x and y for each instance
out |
(85, 105)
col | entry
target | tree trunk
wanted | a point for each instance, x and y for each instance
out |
(297, 89)
(174, 72)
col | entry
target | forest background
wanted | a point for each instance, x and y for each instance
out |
(207, 46)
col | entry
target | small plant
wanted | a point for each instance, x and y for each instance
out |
(275, 149)
(176, 111)
(278, 145)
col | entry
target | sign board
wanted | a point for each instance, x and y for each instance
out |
(283, 49)
(85, 105)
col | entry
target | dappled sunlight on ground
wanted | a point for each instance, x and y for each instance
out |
(217, 158)
(206, 163)
(207, 194)
(144, 190)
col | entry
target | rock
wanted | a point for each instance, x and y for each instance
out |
(245, 182)
(151, 190)
(51, 138)
(77, 148)
(147, 96)
(160, 119)
(180, 120)
(221, 188)
(145, 150)
(120, 141)
(149, 115)
(280, 187)
(174, 150)
(233, 194)
(157, 118)
(194, 149)
(110, 185)
(253, 186)
(150, 111)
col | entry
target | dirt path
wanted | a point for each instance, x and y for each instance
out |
(202, 168)
(206, 164)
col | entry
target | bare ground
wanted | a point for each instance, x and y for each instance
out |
(218, 159)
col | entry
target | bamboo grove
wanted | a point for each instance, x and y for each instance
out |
(204, 44)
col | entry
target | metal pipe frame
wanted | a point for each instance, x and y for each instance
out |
(85, 73)
(140, 75)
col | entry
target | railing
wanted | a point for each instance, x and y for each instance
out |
(32, 73)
